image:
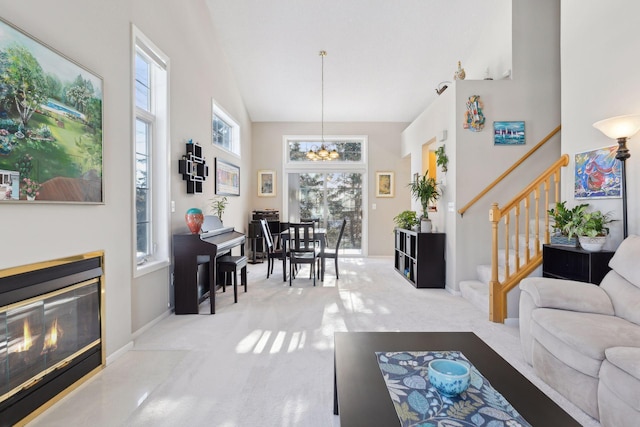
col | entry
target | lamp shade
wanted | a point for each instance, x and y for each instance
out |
(619, 126)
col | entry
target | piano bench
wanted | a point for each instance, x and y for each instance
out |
(231, 264)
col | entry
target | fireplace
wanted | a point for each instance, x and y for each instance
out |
(51, 332)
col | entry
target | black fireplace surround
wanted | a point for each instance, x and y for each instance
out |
(50, 331)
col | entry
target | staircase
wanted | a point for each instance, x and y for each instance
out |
(477, 291)
(514, 254)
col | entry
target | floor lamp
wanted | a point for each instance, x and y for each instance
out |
(621, 128)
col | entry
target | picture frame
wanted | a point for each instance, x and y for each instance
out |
(266, 183)
(508, 133)
(227, 178)
(598, 174)
(51, 144)
(385, 184)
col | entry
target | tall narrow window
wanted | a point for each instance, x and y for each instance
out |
(151, 185)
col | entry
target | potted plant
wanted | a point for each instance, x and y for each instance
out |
(425, 190)
(406, 220)
(590, 227)
(218, 205)
(442, 159)
(560, 215)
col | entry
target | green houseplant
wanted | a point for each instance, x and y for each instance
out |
(218, 205)
(590, 227)
(425, 190)
(560, 216)
(442, 159)
(406, 220)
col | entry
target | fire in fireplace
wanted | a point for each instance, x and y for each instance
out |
(51, 329)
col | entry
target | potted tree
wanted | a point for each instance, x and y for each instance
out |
(425, 190)
(406, 219)
(590, 227)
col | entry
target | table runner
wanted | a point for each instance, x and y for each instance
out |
(419, 404)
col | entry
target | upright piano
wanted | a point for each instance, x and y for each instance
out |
(191, 250)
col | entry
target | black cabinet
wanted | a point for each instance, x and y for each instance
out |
(419, 258)
(566, 262)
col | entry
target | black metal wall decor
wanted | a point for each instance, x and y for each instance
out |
(193, 168)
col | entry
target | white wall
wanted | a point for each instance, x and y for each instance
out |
(383, 152)
(533, 95)
(600, 62)
(96, 34)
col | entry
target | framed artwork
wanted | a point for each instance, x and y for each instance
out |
(385, 184)
(266, 183)
(508, 133)
(50, 134)
(598, 174)
(227, 178)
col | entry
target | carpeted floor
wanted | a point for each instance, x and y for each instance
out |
(268, 360)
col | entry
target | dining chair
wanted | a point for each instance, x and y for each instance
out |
(302, 249)
(273, 253)
(333, 253)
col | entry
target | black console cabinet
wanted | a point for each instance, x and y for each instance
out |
(419, 258)
(566, 262)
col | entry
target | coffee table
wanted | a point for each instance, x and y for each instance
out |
(361, 397)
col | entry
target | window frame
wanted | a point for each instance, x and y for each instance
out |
(158, 152)
(224, 116)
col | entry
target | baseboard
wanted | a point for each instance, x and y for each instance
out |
(116, 354)
(149, 325)
(453, 291)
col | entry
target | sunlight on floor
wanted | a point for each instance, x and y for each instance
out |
(257, 341)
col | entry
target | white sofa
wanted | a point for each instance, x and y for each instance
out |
(584, 340)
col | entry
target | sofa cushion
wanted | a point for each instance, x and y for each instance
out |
(567, 295)
(620, 372)
(624, 296)
(625, 258)
(580, 339)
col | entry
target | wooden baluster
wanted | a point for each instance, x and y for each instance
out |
(537, 217)
(547, 237)
(527, 252)
(506, 244)
(517, 242)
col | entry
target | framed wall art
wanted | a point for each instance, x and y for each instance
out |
(227, 178)
(266, 183)
(598, 174)
(508, 133)
(385, 184)
(50, 133)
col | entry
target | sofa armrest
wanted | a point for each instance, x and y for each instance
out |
(567, 295)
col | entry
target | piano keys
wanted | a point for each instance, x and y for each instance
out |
(190, 250)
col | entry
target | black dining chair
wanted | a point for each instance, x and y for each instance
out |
(302, 249)
(273, 253)
(333, 253)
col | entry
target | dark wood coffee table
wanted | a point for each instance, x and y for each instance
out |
(362, 398)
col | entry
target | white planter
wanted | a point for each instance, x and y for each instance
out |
(425, 225)
(592, 244)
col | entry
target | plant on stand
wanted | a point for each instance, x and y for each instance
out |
(425, 190)
(590, 227)
(218, 205)
(560, 216)
(406, 220)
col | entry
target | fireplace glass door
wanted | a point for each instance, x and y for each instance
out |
(44, 333)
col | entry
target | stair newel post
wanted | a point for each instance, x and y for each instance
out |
(495, 293)
(547, 236)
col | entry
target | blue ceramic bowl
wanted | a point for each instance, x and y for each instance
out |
(449, 377)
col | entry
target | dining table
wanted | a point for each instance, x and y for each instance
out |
(319, 235)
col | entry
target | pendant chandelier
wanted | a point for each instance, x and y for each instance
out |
(324, 152)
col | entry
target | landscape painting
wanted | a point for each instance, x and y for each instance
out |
(50, 124)
(598, 174)
(508, 133)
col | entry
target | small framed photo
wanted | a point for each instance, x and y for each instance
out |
(227, 178)
(266, 183)
(385, 184)
(508, 133)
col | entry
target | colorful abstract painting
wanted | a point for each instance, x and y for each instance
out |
(598, 174)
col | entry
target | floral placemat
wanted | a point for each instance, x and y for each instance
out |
(419, 404)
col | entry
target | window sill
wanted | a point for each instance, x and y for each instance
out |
(150, 267)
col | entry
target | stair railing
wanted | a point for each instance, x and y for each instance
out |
(495, 182)
(522, 267)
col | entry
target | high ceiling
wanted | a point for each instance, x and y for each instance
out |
(384, 58)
